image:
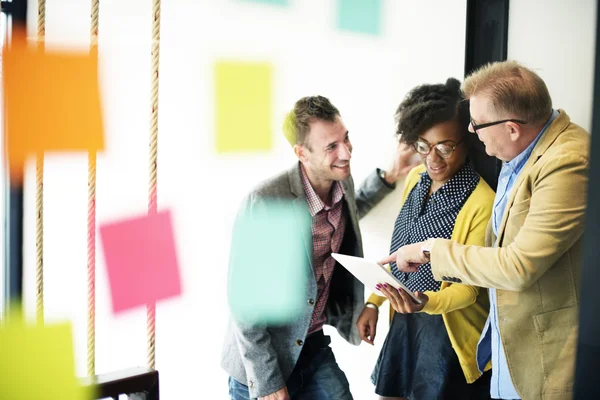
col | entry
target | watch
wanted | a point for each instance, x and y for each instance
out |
(371, 305)
(426, 248)
(382, 175)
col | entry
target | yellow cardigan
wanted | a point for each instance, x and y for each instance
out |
(464, 308)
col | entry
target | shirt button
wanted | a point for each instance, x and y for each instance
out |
(299, 342)
(311, 302)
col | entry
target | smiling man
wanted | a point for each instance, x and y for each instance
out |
(293, 360)
(532, 258)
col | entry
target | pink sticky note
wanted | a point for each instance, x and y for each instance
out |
(141, 260)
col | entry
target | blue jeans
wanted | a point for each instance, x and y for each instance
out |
(316, 376)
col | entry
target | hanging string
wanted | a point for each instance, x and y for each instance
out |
(39, 193)
(152, 195)
(91, 221)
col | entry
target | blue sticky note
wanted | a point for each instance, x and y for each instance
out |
(362, 16)
(276, 2)
(269, 265)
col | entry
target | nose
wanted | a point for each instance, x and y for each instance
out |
(434, 157)
(471, 127)
(345, 152)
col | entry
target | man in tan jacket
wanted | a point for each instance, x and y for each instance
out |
(532, 258)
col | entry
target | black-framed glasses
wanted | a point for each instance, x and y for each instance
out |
(481, 126)
(443, 149)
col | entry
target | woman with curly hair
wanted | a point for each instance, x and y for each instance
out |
(430, 350)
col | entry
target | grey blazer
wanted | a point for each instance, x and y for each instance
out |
(263, 357)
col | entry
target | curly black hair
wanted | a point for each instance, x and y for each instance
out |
(428, 105)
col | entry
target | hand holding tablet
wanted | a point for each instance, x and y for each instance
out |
(372, 274)
(401, 301)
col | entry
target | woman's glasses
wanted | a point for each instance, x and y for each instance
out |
(443, 149)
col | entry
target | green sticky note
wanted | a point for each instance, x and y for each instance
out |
(37, 362)
(361, 16)
(243, 107)
(269, 265)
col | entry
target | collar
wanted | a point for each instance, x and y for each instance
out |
(456, 184)
(315, 204)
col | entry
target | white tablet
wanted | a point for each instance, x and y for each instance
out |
(370, 273)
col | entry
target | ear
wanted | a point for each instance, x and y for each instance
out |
(514, 131)
(299, 150)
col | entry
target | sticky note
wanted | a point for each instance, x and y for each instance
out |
(141, 260)
(51, 101)
(269, 263)
(243, 99)
(277, 2)
(37, 362)
(361, 16)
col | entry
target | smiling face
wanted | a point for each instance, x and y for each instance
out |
(440, 169)
(327, 152)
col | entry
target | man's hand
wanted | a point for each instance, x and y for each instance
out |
(367, 324)
(401, 301)
(408, 258)
(281, 394)
(403, 163)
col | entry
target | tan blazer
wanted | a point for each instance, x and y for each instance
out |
(536, 266)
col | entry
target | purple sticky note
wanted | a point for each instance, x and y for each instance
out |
(141, 260)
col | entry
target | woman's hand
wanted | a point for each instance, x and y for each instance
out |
(401, 301)
(367, 324)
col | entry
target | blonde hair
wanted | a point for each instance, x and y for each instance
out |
(513, 90)
(289, 128)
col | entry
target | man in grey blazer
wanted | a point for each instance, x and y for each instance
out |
(293, 360)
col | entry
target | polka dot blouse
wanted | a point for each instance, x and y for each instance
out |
(422, 218)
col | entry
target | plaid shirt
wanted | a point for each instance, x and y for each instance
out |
(328, 225)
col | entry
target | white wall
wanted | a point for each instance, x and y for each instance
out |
(557, 39)
(365, 78)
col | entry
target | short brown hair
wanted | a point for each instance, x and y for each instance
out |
(297, 122)
(512, 89)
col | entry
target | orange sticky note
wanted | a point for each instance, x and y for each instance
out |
(51, 102)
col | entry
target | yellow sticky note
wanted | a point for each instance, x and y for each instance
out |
(51, 101)
(37, 362)
(243, 106)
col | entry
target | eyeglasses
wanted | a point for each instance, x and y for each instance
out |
(443, 149)
(481, 126)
